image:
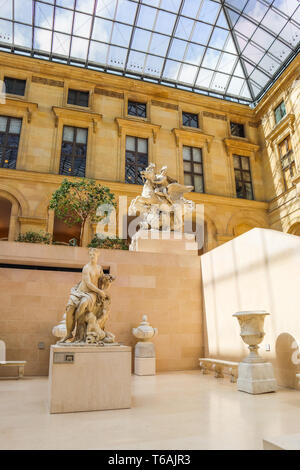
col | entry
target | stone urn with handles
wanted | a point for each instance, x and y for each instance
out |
(252, 332)
(144, 332)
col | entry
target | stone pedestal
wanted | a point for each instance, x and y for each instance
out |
(144, 359)
(155, 241)
(256, 378)
(89, 378)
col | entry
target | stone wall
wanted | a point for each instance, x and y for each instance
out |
(166, 288)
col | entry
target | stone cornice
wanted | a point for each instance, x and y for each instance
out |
(32, 220)
(287, 123)
(241, 147)
(77, 115)
(135, 126)
(25, 107)
(130, 189)
(192, 136)
(120, 84)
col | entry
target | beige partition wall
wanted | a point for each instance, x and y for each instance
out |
(258, 270)
(167, 288)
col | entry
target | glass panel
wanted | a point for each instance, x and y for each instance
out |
(68, 133)
(238, 175)
(143, 145)
(248, 191)
(188, 180)
(187, 166)
(12, 140)
(236, 162)
(3, 122)
(23, 11)
(198, 182)
(186, 151)
(81, 136)
(82, 25)
(197, 154)
(247, 176)
(15, 126)
(63, 20)
(130, 143)
(245, 163)
(198, 168)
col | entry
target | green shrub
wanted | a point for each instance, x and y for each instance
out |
(35, 237)
(109, 243)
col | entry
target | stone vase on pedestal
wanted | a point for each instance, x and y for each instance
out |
(144, 351)
(255, 374)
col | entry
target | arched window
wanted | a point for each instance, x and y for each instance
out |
(5, 212)
(62, 233)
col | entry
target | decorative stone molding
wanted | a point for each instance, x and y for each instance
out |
(47, 81)
(110, 93)
(165, 105)
(221, 117)
(76, 115)
(137, 128)
(33, 221)
(20, 108)
(241, 147)
(286, 125)
(192, 137)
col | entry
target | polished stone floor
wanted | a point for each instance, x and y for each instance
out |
(175, 410)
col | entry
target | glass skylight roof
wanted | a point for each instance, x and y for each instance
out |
(231, 49)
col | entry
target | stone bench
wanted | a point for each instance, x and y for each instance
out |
(217, 365)
(19, 364)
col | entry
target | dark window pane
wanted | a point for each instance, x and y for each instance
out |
(78, 98)
(193, 169)
(190, 120)
(14, 86)
(137, 109)
(237, 130)
(243, 181)
(136, 161)
(280, 112)
(73, 154)
(9, 142)
(13, 140)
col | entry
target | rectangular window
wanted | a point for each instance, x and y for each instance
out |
(73, 151)
(10, 129)
(190, 120)
(193, 168)
(78, 98)
(237, 130)
(14, 86)
(136, 159)
(287, 162)
(243, 180)
(137, 109)
(280, 112)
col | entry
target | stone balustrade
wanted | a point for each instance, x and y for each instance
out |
(218, 365)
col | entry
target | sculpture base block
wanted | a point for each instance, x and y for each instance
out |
(155, 241)
(256, 378)
(85, 378)
(144, 366)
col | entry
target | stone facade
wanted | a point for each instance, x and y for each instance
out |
(45, 111)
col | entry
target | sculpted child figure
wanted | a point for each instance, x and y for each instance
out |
(86, 295)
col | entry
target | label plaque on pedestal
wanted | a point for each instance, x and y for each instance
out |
(88, 378)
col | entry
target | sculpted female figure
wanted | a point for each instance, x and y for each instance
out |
(85, 295)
